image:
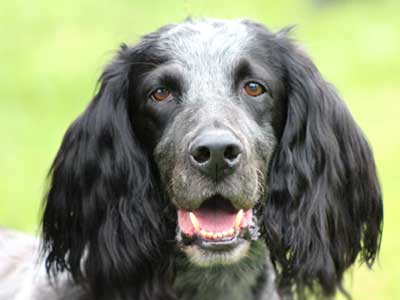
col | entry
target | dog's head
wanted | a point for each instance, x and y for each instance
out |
(208, 135)
(216, 104)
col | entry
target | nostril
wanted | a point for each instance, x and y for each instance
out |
(232, 152)
(201, 154)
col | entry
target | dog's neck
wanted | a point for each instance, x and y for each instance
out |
(251, 278)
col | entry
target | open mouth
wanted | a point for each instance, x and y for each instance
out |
(215, 223)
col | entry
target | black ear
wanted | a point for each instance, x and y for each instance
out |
(103, 216)
(324, 206)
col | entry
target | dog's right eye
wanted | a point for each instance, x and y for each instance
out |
(161, 94)
(254, 89)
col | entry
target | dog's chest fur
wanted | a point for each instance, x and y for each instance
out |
(251, 278)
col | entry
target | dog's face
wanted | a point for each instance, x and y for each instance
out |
(201, 134)
(216, 105)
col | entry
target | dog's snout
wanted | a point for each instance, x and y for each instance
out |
(216, 153)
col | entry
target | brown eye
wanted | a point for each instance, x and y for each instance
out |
(254, 89)
(161, 94)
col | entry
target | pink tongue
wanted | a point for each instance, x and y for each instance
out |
(215, 220)
(215, 216)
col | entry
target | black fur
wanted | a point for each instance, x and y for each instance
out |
(324, 206)
(104, 200)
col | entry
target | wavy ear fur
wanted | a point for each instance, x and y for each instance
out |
(103, 216)
(324, 206)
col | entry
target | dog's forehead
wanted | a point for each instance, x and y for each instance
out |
(207, 39)
(207, 51)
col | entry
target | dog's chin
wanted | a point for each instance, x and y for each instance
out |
(216, 233)
(206, 257)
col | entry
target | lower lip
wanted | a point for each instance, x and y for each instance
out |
(220, 245)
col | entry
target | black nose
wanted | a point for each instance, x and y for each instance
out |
(215, 153)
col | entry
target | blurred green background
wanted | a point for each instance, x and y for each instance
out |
(51, 53)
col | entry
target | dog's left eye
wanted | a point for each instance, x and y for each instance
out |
(254, 89)
(161, 94)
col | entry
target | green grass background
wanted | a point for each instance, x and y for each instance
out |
(51, 53)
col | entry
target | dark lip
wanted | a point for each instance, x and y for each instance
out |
(219, 200)
(219, 246)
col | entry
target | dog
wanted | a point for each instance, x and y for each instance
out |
(214, 162)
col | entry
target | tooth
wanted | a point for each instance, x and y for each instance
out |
(209, 235)
(238, 219)
(219, 235)
(231, 231)
(194, 221)
(215, 236)
(203, 233)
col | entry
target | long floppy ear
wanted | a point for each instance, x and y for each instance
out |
(324, 206)
(103, 216)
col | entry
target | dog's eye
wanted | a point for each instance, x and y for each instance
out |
(161, 94)
(254, 89)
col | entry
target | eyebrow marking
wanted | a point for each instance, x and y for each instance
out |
(167, 75)
(172, 80)
(243, 69)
